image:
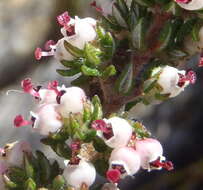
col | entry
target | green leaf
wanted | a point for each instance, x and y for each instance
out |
(96, 100)
(97, 112)
(30, 184)
(101, 166)
(89, 71)
(99, 145)
(89, 135)
(123, 7)
(62, 150)
(77, 63)
(109, 45)
(81, 80)
(92, 54)
(45, 167)
(138, 34)
(74, 51)
(67, 73)
(162, 97)
(28, 166)
(165, 36)
(58, 182)
(16, 175)
(195, 32)
(173, 8)
(8, 182)
(100, 32)
(109, 71)
(111, 23)
(147, 3)
(119, 15)
(149, 87)
(130, 105)
(185, 30)
(125, 81)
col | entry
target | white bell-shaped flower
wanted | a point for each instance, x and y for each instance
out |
(127, 158)
(70, 100)
(83, 32)
(116, 132)
(149, 150)
(190, 4)
(46, 119)
(151, 154)
(174, 81)
(78, 174)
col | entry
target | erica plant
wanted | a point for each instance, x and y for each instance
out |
(135, 53)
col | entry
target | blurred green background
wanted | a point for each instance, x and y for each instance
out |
(177, 123)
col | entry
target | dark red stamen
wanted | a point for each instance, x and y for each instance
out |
(113, 175)
(53, 86)
(98, 9)
(191, 76)
(74, 161)
(182, 80)
(168, 165)
(201, 61)
(119, 167)
(104, 127)
(59, 95)
(63, 19)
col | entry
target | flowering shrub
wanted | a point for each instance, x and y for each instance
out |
(131, 55)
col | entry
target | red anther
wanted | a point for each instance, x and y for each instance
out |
(38, 53)
(53, 86)
(63, 19)
(94, 4)
(168, 165)
(113, 175)
(191, 76)
(19, 121)
(27, 87)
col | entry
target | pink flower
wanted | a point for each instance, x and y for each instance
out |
(116, 132)
(46, 120)
(70, 100)
(126, 159)
(81, 173)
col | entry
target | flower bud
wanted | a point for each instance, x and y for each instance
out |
(126, 159)
(70, 100)
(116, 132)
(174, 81)
(151, 151)
(78, 174)
(13, 153)
(46, 120)
(190, 4)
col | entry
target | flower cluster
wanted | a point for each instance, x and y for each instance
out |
(53, 103)
(57, 106)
